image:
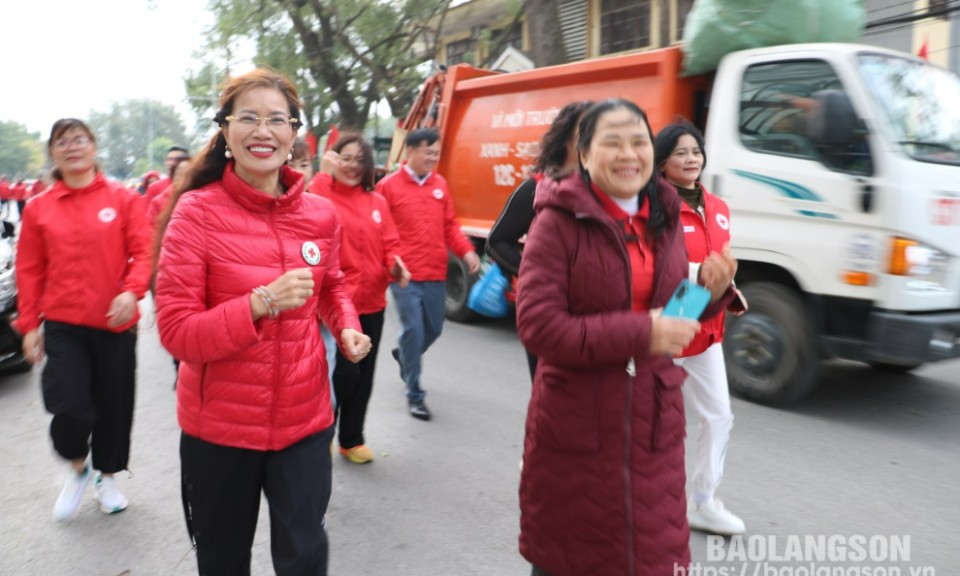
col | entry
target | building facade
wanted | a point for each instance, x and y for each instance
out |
(478, 31)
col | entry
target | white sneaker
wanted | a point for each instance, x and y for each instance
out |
(110, 497)
(68, 503)
(713, 518)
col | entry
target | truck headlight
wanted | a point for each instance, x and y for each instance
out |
(926, 266)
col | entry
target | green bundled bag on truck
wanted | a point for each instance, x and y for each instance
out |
(715, 28)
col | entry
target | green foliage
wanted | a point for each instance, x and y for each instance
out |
(134, 130)
(21, 151)
(343, 55)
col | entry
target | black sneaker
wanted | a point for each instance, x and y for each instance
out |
(419, 410)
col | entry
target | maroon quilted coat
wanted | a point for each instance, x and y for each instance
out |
(602, 489)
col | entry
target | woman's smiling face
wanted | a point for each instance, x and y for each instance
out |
(620, 157)
(259, 147)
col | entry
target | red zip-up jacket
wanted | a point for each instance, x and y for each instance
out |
(79, 249)
(257, 385)
(369, 242)
(703, 235)
(426, 223)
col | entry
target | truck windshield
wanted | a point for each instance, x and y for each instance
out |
(920, 102)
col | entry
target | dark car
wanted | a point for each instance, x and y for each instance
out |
(11, 346)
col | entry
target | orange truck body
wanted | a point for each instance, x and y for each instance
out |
(491, 122)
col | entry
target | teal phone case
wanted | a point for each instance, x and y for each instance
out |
(689, 300)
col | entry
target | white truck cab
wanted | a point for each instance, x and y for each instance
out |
(841, 167)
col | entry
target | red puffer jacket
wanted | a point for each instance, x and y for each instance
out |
(256, 385)
(426, 224)
(703, 235)
(369, 244)
(602, 488)
(78, 249)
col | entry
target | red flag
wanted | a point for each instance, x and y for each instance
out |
(923, 50)
(332, 136)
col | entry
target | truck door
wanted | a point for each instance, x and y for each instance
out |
(796, 207)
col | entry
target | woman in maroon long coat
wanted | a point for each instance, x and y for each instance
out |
(602, 488)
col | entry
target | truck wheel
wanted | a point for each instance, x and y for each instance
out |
(770, 352)
(459, 282)
(894, 368)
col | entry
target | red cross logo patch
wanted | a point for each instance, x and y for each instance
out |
(311, 253)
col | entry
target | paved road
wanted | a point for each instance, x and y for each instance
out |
(867, 454)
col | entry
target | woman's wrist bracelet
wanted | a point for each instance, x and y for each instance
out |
(270, 299)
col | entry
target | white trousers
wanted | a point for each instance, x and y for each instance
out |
(706, 395)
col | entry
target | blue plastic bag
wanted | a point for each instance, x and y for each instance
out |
(488, 295)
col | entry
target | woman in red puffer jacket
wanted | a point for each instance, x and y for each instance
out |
(248, 265)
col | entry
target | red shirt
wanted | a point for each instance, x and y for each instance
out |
(369, 241)
(641, 256)
(78, 250)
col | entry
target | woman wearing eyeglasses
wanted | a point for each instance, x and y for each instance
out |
(369, 257)
(248, 264)
(83, 262)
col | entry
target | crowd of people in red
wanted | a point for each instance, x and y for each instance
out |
(270, 288)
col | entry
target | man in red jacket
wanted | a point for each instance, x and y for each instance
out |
(423, 212)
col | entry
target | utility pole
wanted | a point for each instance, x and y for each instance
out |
(149, 135)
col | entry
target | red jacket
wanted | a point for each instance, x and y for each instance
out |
(20, 191)
(602, 487)
(156, 188)
(426, 223)
(369, 242)
(79, 249)
(36, 188)
(156, 205)
(257, 385)
(703, 235)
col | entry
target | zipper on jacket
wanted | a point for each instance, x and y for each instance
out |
(276, 370)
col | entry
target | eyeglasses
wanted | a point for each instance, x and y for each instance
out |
(273, 122)
(357, 160)
(64, 143)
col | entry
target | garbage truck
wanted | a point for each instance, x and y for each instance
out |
(840, 164)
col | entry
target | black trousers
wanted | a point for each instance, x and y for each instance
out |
(539, 572)
(89, 384)
(221, 496)
(353, 384)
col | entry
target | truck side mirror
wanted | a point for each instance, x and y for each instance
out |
(832, 120)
